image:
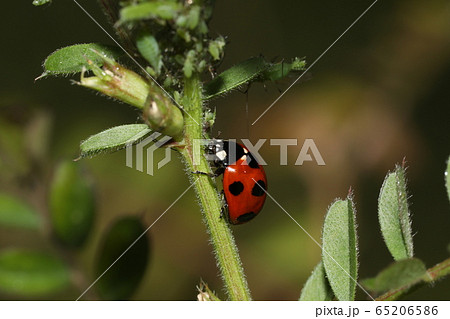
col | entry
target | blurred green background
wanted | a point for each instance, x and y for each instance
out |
(380, 94)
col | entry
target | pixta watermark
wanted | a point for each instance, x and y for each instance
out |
(143, 152)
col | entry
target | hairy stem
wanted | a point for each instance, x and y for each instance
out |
(222, 240)
(432, 275)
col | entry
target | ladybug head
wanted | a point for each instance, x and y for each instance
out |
(225, 152)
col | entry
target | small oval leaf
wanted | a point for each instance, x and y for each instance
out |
(317, 287)
(41, 2)
(15, 213)
(393, 215)
(339, 250)
(123, 278)
(113, 139)
(72, 59)
(29, 273)
(155, 9)
(405, 272)
(235, 76)
(72, 205)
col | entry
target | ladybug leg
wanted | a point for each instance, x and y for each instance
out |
(216, 173)
(204, 173)
(219, 171)
(223, 211)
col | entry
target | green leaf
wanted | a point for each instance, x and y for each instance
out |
(148, 47)
(339, 250)
(113, 139)
(72, 59)
(121, 280)
(72, 205)
(317, 287)
(32, 273)
(255, 69)
(447, 178)
(393, 215)
(41, 2)
(405, 272)
(166, 10)
(15, 213)
(279, 70)
(235, 76)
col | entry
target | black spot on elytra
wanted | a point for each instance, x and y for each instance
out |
(236, 188)
(258, 188)
(246, 217)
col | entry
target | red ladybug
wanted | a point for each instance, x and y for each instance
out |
(244, 180)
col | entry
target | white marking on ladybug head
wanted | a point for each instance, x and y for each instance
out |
(221, 155)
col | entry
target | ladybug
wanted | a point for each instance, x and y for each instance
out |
(244, 180)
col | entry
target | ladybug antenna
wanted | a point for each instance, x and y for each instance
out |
(246, 114)
(246, 108)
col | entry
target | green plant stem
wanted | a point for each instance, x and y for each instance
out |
(432, 275)
(222, 240)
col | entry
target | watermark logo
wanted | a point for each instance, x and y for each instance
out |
(309, 148)
(304, 156)
(145, 149)
(149, 144)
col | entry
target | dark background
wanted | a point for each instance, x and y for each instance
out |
(380, 94)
